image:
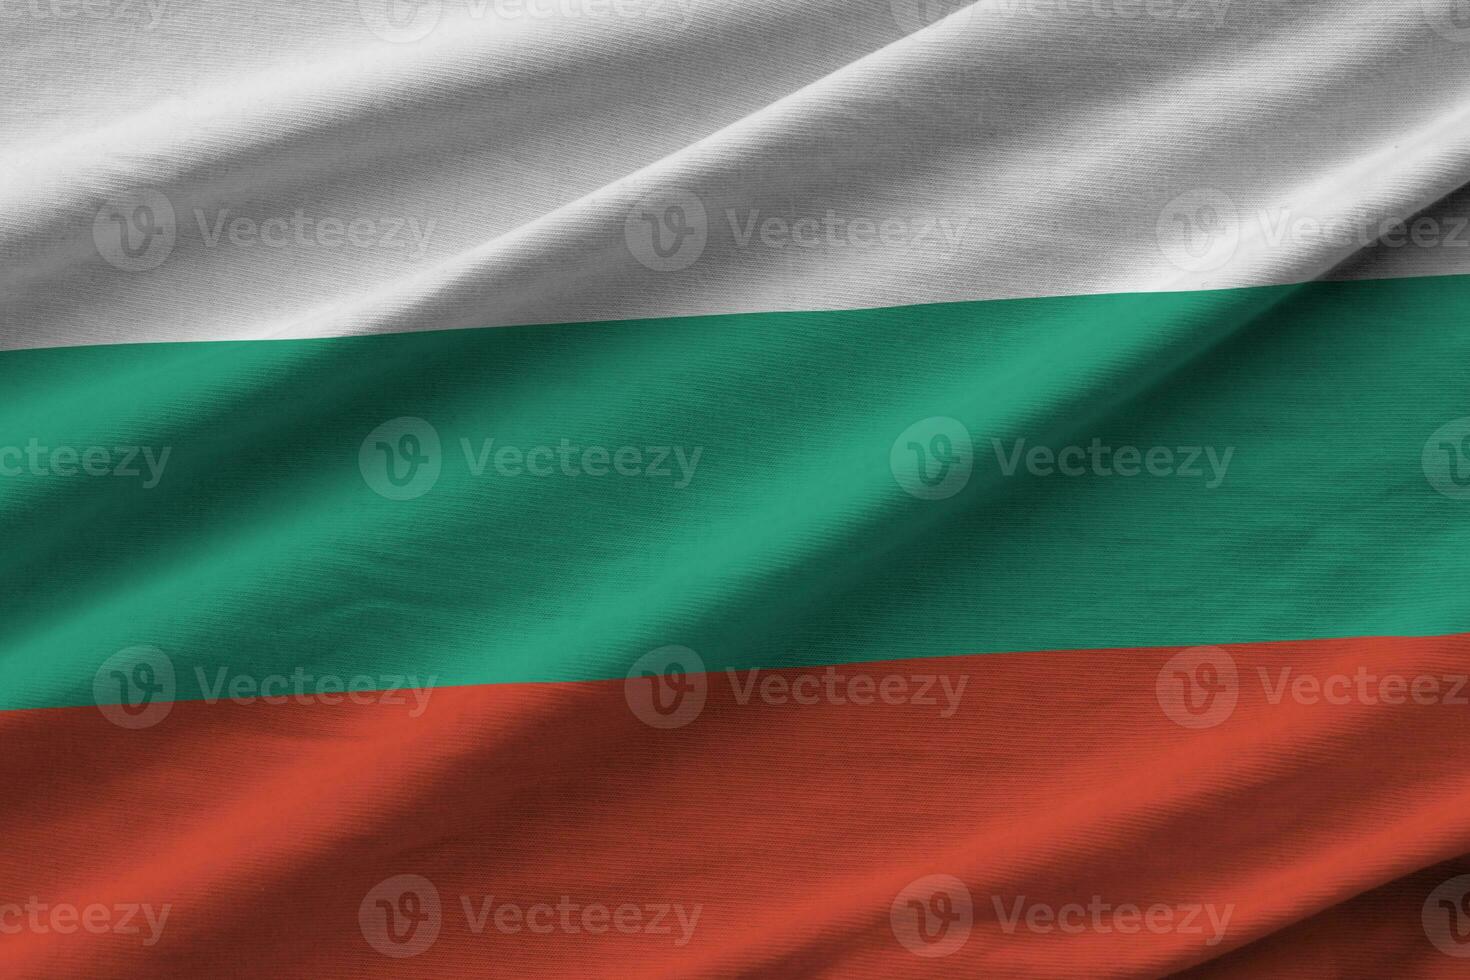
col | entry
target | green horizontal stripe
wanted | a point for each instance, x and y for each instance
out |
(263, 548)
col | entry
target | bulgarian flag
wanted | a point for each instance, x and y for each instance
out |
(681, 488)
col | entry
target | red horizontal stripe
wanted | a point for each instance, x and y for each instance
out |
(1060, 785)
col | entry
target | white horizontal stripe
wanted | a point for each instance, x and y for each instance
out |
(504, 168)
